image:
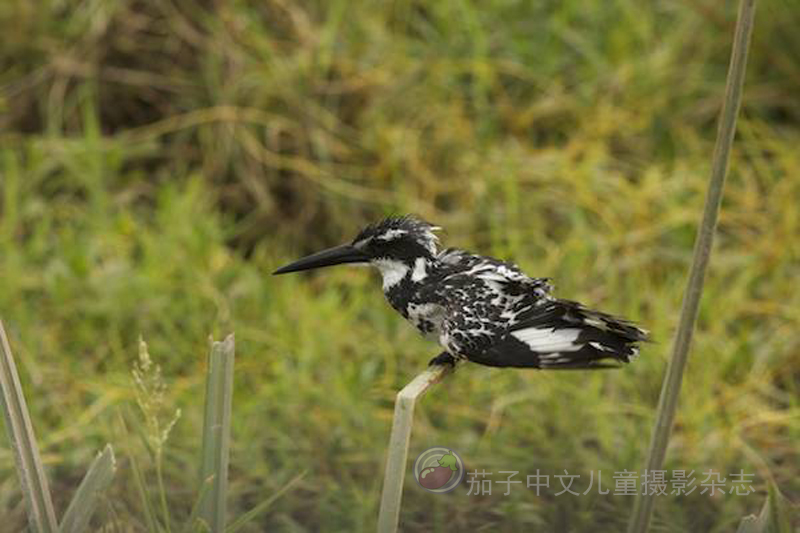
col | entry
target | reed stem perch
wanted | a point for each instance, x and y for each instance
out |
(398, 444)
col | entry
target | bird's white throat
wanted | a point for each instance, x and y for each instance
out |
(392, 271)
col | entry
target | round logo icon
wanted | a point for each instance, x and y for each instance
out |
(439, 469)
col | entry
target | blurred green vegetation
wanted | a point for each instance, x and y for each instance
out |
(159, 159)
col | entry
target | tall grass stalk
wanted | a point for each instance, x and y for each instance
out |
(41, 513)
(643, 508)
(216, 433)
(150, 395)
(398, 445)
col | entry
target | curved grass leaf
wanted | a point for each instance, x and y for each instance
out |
(774, 516)
(96, 481)
(23, 441)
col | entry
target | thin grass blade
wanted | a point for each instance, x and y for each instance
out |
(216, 433)
(263, 506)
(193, 522)
(95, 482)
(23, 441)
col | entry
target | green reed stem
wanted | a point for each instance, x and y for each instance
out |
(643, 508)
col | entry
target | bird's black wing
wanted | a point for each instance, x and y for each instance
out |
(496, 315)
(482, 298)
(508, 276)
(560, 334)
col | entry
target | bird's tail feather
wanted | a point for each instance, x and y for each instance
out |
(562, 334)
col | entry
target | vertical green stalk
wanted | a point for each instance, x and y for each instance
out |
(398, 445)
(216, 433)
(640, 519)
(23, 441)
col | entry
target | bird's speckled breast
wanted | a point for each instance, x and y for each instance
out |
(427, 318)
(422, 311)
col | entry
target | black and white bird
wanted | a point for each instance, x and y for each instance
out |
(479, 308)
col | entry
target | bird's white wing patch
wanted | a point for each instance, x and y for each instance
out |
(548, 339)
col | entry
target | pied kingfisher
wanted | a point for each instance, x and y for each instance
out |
(479, 308)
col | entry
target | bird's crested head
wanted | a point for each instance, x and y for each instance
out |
(401, 238)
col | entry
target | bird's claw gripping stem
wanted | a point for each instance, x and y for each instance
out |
(443, 358)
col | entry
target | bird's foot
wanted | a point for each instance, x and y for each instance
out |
(443, 358)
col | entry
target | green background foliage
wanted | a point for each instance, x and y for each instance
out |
(159, 159)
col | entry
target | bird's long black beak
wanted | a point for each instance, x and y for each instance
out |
(332, 256)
